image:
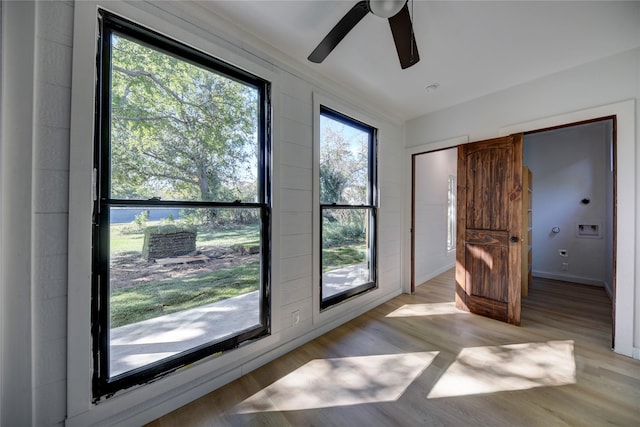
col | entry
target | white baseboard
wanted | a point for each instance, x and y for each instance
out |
(568, 278)
(635, 353)
(434, 273)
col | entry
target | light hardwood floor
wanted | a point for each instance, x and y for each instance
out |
(417, 361)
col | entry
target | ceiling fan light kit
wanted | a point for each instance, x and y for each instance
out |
(396, 11)
(386, 8)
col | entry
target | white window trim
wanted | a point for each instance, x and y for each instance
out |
(360, 303)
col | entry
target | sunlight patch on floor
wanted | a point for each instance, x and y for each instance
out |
(323, 383)
(480, 370)
(415, 310)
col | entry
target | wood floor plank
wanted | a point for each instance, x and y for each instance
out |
(417, 361)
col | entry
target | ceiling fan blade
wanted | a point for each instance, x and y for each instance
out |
(338, 32)
(403, 36)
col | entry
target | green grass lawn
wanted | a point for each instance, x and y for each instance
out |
(122, 240)
(137, 303)
(342, 256)
(122, 243)
(151, 300)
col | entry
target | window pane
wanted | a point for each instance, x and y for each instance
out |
(346, 250)
(180, 278)
(344, 163)
(179, 131)
(451, 213)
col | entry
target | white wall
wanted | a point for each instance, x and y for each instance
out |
(45, 223)
(432, 171)
(596, 89)
(568, 165)
(41, 384)
(35, 139)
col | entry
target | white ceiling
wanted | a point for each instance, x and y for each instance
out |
(469, 48)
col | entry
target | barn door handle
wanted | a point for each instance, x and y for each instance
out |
(514, 239)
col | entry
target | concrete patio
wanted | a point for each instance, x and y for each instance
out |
(141, 343)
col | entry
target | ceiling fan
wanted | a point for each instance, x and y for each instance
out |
(399, 20)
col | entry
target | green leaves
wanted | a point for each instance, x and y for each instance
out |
(344, 167)
(179, 131)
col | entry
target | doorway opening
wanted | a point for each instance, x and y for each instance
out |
(581, 175)
(433, 214)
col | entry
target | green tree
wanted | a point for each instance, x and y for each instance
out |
(344, 164)
(179, 131)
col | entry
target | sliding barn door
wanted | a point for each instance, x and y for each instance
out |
(489, 231)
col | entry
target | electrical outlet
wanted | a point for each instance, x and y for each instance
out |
(295, 317)
(563, 252)
(565, 266)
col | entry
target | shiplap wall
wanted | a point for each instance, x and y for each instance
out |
(45, 385)
(54, 37)
(35, 288)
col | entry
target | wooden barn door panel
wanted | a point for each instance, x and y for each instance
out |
(488, 247)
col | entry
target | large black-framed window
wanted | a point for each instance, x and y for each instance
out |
(181, 239)
(347, 207)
